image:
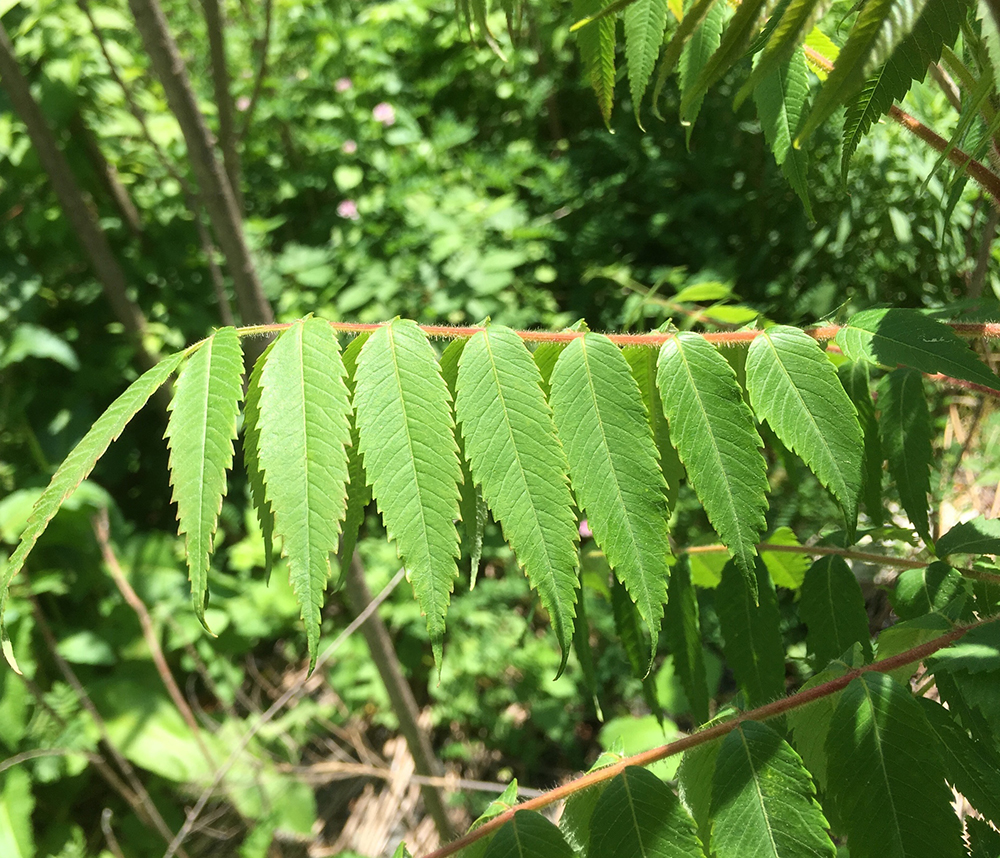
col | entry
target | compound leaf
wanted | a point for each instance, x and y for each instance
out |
(763, 799)
(637, 814)
(407, 438)
(886, 776)
(612, 457)
(795, 388)
(516, 457)
(717, 441)
(200, 433)
(304, 436)
(906, 337)
(74, 470)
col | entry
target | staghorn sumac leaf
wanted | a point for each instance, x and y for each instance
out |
(200, 434)
(683, 633)
(645, 25)
(516, 457)
(528, 833)
(855, 378)
(600, 417)
(695, 56)
(752, 634)
(909, 338)
(795, 388)
(596, 41)
(406, 435)
(764, 800)
(74, 470)
(715, 436)
(304, 436)
(978, 536)
(639, 815)
(833, 608)
(886, 776)
(905, 429)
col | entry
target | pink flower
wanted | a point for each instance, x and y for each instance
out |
(383, 112)
(348, 209)
(585, 531)
(349, 147)
(242, 103)
(343, 84)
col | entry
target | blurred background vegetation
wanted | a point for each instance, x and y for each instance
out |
(387, 166)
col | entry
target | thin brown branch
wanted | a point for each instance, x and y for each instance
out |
(761, 713)
(294, 692)
(263, 45)
(818, 551)
(101, 532)
(150, 811)
(216, 27)
(216, 193)
(75, 206)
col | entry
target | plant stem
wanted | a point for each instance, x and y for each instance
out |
(761, 713)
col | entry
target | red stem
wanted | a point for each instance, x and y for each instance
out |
(762, 713)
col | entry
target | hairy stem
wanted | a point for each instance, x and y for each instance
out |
(761, 713)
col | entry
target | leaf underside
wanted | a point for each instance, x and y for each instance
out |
(717, 441)
(516, 457)
(406, 437)
(200, 434)
(304, 435)
(600, 418)
(359, 493)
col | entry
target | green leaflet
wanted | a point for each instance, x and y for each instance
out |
(694, 14)
(898, 25)
(304, 435)
(717, 441)
(752, 634)
(851, 66)
(905, 427)
(251, 461)
(938, 25)
(597, 49)
(633, 642)
(613, 469)
(935, 588)
(971, 765)
(795, 388)
(402, 852)
(528, 834)
(584, 652)
(511, 443)
(780, 97)
(645, 24)
(763, 799)
(637, 814)
(886, 776)
(74, 470)
(795, 22)
(909, 338)
(642, 361)
(786, 568)
(732, 46)
(833, 609)
(200, 435)
(854, 376)
(698, 50)
(17, 803)
(472, 507)
(359, 493)
(906, 635)
(984, 839)
(978, 536)
(684, 639)
(406, 436)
